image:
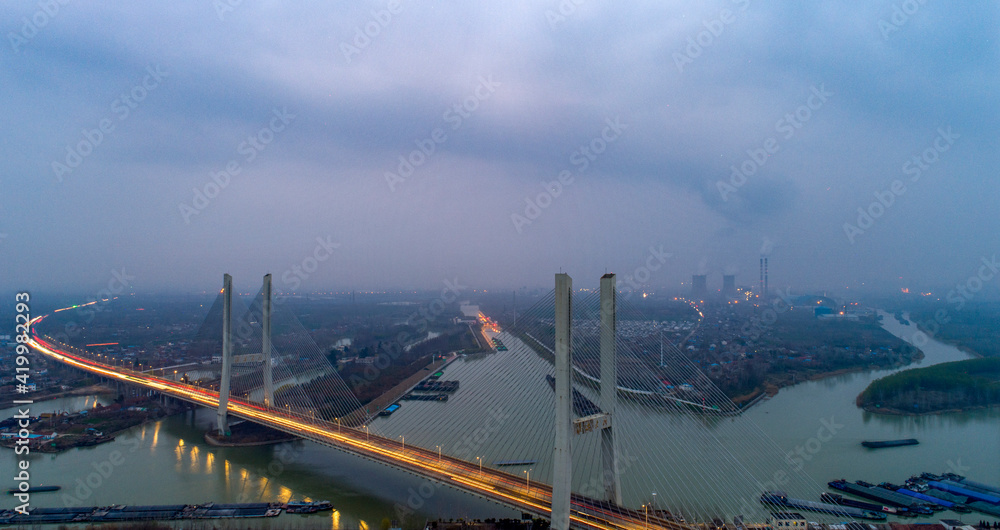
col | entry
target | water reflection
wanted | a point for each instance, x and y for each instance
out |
(284, 494)
(193, 454)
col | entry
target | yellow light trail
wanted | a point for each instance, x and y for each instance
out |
(81, 305)
(460, 474)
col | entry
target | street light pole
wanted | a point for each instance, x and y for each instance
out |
(480, 465)
(645, 509)
(527, 480)
(404, 442)
(367, 439)
(439, 453)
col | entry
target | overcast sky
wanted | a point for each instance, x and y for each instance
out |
(642, 108)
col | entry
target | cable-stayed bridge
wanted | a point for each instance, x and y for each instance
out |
(582, 453)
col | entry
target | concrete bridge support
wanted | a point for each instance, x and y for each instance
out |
(222, 422)
(266, 325)
(562, 459)
(609, 390)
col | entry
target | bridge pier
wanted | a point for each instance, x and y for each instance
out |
(562, 456)
(609, 390)
(266, 325)
(221, 420)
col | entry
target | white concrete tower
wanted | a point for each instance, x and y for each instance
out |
(222, 422)
(609, 390)
(266, 344)
(562, 459)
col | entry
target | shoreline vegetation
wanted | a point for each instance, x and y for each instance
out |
(947, 387)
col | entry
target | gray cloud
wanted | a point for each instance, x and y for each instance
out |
(558, 84)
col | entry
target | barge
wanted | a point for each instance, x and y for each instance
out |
(778, 498)
(889, 443)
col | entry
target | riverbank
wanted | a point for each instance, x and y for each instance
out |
(58, 432)
(953, 342)
(399, 390)
(948, 387)
(887, 411)
(90, 390)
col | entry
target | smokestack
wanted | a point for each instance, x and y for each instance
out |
(761, 288)
(765, 277)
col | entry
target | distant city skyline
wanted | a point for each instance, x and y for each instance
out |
(393, 145)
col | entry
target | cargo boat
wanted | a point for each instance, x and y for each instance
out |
(867, 491)
(984, 507)
(954, 487)
(436, 385)
(307, 507)
(389, 410)
(120, 513)
(413, 396)
(936, 504)
(889, 443)
(972, 484)
(778, 498)
(834, 498)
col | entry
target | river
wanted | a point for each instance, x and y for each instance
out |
(813, 433)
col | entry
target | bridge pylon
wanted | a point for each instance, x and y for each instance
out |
(266, 345)
(565, 425)
(221, 420)
(562, 456)
(609, 390)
